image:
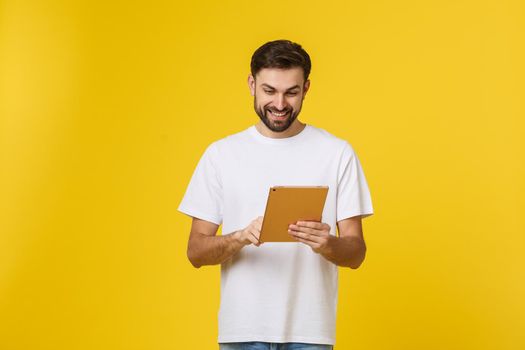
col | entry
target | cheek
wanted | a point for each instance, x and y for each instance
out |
(264, 101)
(295, 103)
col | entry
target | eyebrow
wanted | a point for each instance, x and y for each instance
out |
(271, 87)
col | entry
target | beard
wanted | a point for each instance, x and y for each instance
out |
(277, 125)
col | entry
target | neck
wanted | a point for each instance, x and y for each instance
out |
(293, 130)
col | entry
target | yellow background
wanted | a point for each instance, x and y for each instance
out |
(106, 107)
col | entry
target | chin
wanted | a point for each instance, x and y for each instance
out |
(280, 126)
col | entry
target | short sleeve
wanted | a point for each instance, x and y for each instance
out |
(353, 195)
(204, 196)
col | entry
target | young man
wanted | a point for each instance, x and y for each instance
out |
(277, 295)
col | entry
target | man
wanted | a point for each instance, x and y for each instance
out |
(277, 295)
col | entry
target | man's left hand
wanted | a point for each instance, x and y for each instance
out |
(312, 233)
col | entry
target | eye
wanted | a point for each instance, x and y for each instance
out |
(269, 92)
(291, 93)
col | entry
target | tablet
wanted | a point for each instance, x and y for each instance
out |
(288, 204)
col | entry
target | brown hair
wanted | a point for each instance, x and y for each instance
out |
(281, 54)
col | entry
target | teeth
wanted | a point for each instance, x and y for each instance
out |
(278, 114)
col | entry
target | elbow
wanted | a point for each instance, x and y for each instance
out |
(355, 263)
(194, 262)
(193, 258)
(355, 266)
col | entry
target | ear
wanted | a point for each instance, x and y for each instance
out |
(306, 87)
(251, 84)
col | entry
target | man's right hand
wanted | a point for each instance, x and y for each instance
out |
(251, 234)
(206, 248)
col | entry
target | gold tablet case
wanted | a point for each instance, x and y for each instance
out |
(288, 204)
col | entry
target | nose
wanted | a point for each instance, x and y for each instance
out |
(280, 103)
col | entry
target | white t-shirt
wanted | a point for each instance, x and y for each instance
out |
(277, 292)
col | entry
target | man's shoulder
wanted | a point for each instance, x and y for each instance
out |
(232, 140)
(327, 138)
(240, 136)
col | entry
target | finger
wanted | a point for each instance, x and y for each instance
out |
(253, 239)
(315, 225)
(255, 233)
(309, 231)
(310, 224)
(305, 236)
(257, 223)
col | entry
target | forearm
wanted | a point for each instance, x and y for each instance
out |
(346, 251)
(212, 250)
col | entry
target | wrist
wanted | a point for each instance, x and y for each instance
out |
(329, 247)
(237, 236)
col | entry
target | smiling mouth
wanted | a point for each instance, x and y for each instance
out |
(278, 114)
